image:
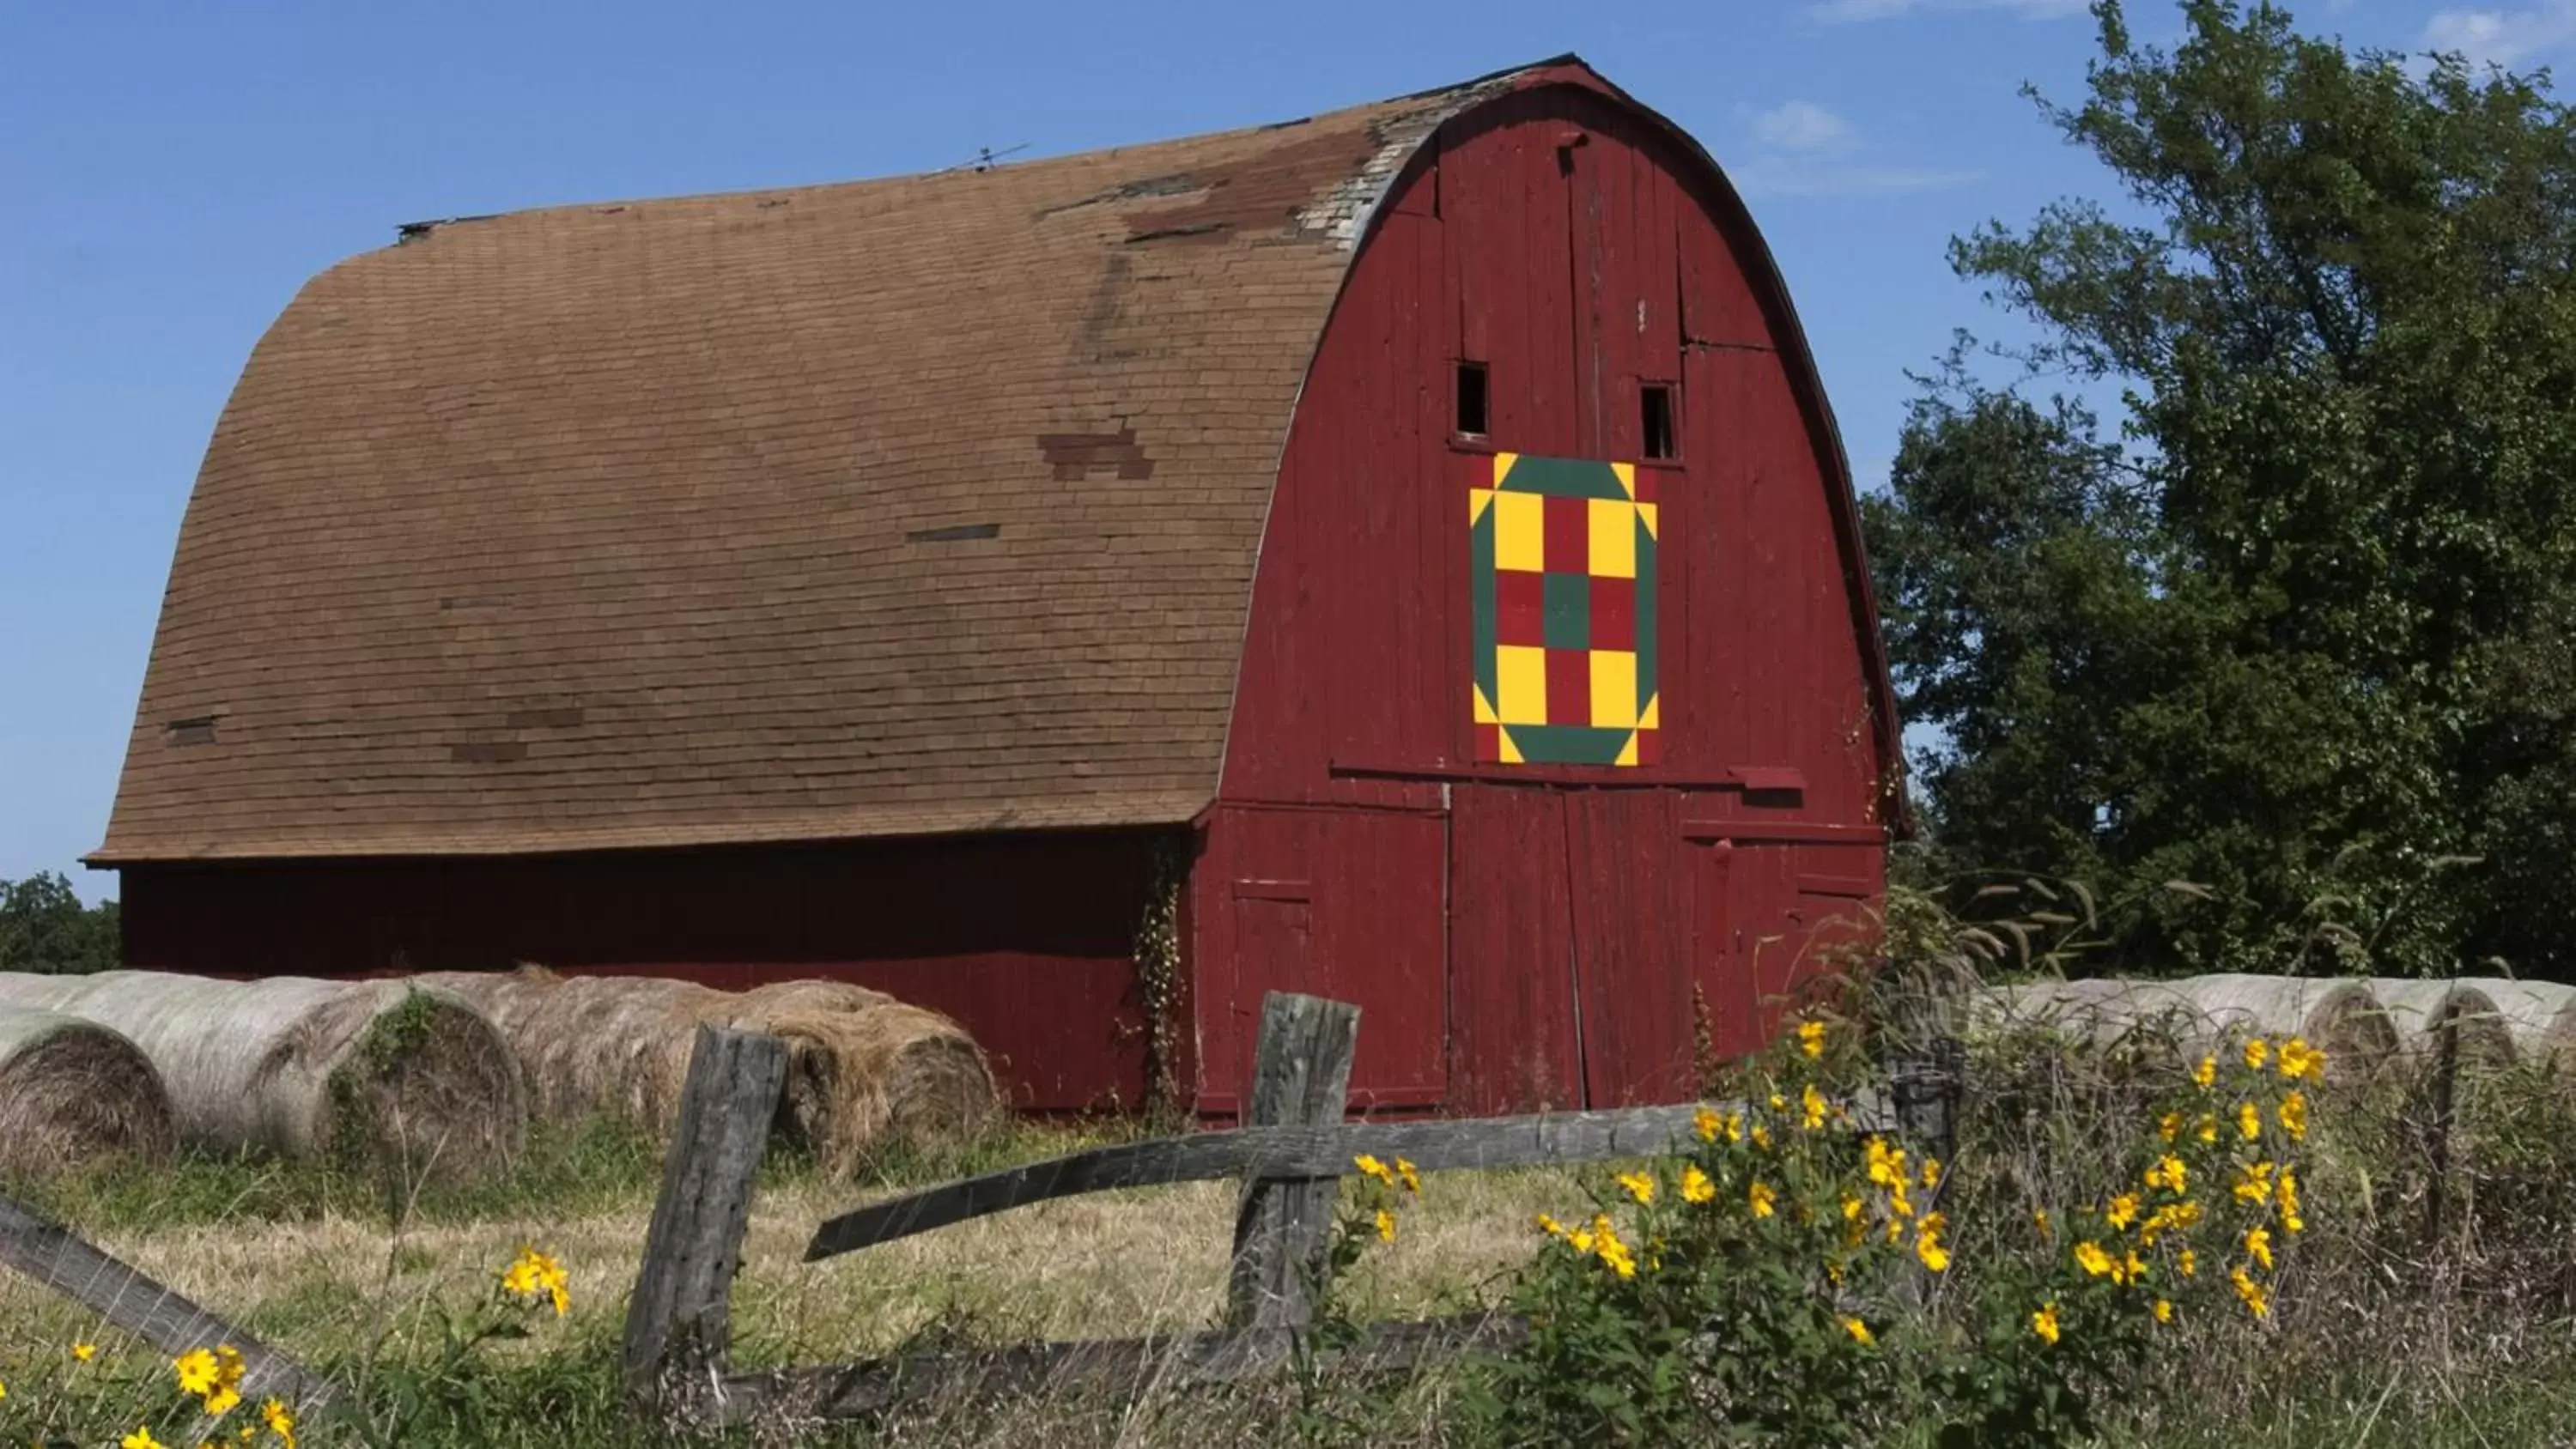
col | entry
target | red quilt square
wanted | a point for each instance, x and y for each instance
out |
(1614, 614)
(1569, 535)
(1569, 686)
(1520, 608)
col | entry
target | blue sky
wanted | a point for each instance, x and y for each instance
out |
(172, 173)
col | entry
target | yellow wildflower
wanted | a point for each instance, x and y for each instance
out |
(1705, 1122)
(280, 1422)
(2164, 1311)
(2294, 1115)
(2251, 1292)
(2092, 1259)
(2208, 1129)
(1779, 1103)
(197, 1372)
(1762, 1138)
(222, 1401)
(2170, 1174)
(141, 1438)
(2254, 1183)
(2249, 1121)
(1852, 1208)
(2134, 1269)
(2205, 1074)
(1927, 1243)
(2288, 1197)
(2187, 1262)
(2300, 1061)
(1931, 1173)
(533, 1274)
(84, 1351)
(1696, 1187)
(2169, 1126)
(1761, 1198)
(2123, 1211)
(1811, 1038)
(1614, 1253)
(1548, 1224)
(1639, 1185)
(2039, 1219)
(1369, 1166)
(1859, 1331)
(1385, 1226)
(1811, 1108)
(2258, 1245)
(2044, 1322)
(2257, 1052)
(1412, 1179)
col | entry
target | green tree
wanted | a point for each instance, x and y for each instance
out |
(2304, 635)
(44, 927)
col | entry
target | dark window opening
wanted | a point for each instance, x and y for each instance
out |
(1655, 419)
(1471, 399)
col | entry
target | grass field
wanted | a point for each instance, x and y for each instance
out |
(320, 1268)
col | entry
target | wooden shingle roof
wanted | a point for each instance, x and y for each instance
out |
(908, 506)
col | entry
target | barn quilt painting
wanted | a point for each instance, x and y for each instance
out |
(1562, 555)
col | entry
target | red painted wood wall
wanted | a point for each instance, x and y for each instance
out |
(1028, 941)
(1523, 936)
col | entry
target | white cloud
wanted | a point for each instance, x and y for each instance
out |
(1842, 12)
(2503, 37)
(1801, 126)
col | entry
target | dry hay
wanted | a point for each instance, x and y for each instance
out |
(2208, 1013)
(2540, 1016)
(864, 1070)
(370, 1073)
(72, 1091)
(2426, 1012)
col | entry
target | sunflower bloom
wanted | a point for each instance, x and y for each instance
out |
(2044, 1322)
(84, 1351)
(197, 1372)
(1762, 1138)
(1369, 1166)
(2257, 1052)
(279, 1421)
(1811, 1108)
(2169, 1126)
(2249, 1121)
(2254, 1184)
(2208, 1129)
(2205, 1074)
(1761, 1199)
(1811, 1038)
(2294, 1114)
(1549, 1225)
(2258, 1246)
(1385, 1226)
(1931, 1173)
(1705, 1122)
(1927, 1243)
(2300, 1061)
(2122, 1211)
(1639, 1185)
(2187, 1262)
(1859, 1331)
(2090, 1257)
(1412, 1178)
(141, 1438)
(2171, 1174)
(2164, 1310)
(2287, 1195)
(1696, 1188)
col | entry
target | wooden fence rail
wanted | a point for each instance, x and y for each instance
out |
(1290, 1159)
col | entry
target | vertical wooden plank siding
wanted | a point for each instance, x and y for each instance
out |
(1514, 1043)
(1631, 945)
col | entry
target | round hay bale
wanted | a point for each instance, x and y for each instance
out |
(2101, 1010)
(373, 1072)
(616, 1046)
(863, 1068)
(72, 1091)
(2423, 1012)
(2540, 1016)
(2341, 1018)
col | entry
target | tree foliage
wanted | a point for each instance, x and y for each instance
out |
(44, 927)
(2305, 634)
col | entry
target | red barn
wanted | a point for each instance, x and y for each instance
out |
(1403, 554)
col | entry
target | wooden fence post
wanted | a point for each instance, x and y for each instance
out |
(1283, 1225)
(678, 1325)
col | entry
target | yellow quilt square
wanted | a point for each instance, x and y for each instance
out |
(1520, 677)
(1611, 534)
(1520, 532)
(1614, 689)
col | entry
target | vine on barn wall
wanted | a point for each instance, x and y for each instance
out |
(1158, 980)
